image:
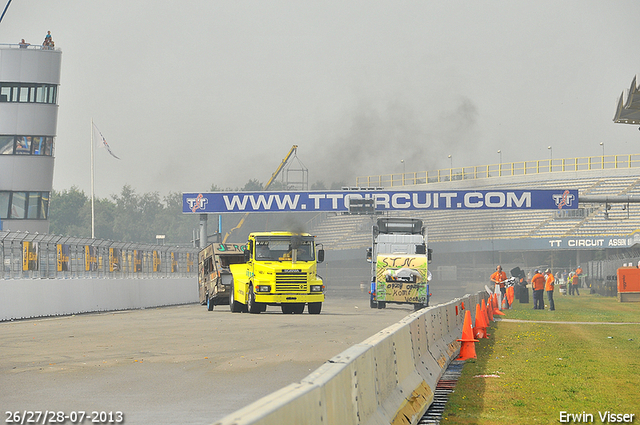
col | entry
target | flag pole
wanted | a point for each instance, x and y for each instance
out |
(93, 235)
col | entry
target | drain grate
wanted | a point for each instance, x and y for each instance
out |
(445, 386)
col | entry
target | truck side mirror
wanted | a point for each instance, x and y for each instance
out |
(320, 255)
(369, 255)
(429, 254)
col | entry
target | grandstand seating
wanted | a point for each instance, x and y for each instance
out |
(354, 231)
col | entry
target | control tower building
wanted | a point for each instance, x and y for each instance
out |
(29, 81)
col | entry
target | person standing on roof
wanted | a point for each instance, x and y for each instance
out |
(498, 278)
(549, 286)
(537, 283)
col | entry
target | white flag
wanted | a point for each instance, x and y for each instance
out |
(104, 142)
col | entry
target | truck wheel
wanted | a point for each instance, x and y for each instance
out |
(298, 308)
(286, 308)
(417, 307)
(234, 306)
(210, 304)
(314, 308)
(382, 304)
(373, 303)
(252, 305)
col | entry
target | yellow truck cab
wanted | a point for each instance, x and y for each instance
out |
(280, 268)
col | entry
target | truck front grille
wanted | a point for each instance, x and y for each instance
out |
(291, 282)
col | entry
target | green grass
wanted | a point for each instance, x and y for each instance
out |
(546, 368)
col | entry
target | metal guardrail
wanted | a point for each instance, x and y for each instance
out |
(26, 46)
(604, 162)
(25, 255)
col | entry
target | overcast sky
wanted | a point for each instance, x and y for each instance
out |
(200, 92)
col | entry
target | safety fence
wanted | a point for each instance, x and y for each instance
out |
(604, 162)
(37, 256)
(389, 378)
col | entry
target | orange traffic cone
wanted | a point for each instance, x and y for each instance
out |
(484, 311)
(496, 310)
(490, 310)
(480, 327)
(511, 294)
(468, 347)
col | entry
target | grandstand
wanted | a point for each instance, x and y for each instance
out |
(590, 220)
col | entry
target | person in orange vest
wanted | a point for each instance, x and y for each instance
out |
(579, 275)
(537, 283)
(549, 287)
(498, 278)
(575, 282)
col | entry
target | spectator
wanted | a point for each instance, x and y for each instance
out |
(549, 286)
(24, 44)
(579, 275)
(498, 278)
(575, 282)
(537, 283)
(48, 41)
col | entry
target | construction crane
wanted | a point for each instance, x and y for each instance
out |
(292, 151)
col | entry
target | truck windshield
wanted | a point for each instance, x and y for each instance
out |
(281, 248)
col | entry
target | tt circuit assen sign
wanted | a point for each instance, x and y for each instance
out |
(338, 201)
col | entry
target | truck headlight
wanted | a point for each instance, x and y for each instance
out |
(316, 288)
(263, 288)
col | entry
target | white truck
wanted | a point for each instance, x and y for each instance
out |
(399, 259)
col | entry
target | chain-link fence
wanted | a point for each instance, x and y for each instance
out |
(34, 256)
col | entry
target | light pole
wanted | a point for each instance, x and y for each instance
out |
(404, 166)
(451, 161)
(500, 165)
(602, 144)
(551, 158)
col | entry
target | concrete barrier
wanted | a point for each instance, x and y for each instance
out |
(389, 378)
(26, 298)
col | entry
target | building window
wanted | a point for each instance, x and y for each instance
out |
(24, 205)
(18, 205)
(6, 145)
(5, 200)
(28, 93)
(26, 145)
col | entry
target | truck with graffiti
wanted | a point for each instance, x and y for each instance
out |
(279, 269)
(214, 275)
(399, 259)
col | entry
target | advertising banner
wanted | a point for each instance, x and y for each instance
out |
(156, 262)
(62, 257)
(137, 260)
(401, 278)
(174, 262)
(90, 258)
(115, 254)
(416, 200)
(29, 256)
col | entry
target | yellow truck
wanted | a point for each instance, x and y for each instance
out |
(280, 268)
(214, 276)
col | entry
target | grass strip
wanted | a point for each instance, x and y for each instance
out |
(537, 370)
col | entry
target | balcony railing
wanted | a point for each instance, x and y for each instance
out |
(502, 170)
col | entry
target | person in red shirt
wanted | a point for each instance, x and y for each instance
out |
(549, 286)
(537, 283)
(498, 278)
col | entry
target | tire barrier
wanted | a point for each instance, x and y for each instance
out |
(390, 378)
(27, 298)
